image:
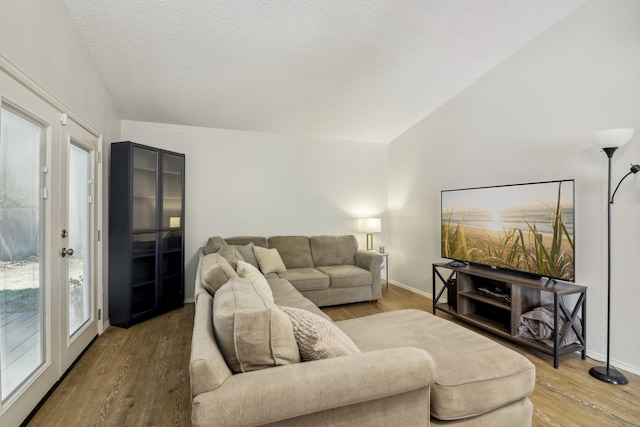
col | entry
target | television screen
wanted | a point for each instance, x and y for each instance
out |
(525, 228)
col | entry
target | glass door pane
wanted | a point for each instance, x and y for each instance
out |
(172, 167)
(172, 268)
(143, 293)
(144, 188)
(79, 237)
(22, 144)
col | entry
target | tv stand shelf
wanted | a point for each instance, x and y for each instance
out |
(494, 301)
(479, 296)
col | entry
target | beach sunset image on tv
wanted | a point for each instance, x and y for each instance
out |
(526, 227)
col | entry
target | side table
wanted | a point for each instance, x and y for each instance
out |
(385, 255)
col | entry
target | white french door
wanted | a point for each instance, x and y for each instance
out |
(78, 237)
(48, 302)
(29, 361)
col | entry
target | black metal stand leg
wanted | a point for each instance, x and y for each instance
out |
(584, 325)
(433, 291)
(556, 335)
(436, 296)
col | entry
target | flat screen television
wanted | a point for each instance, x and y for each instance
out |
(525, 228)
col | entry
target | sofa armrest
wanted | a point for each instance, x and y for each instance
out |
(284, 392)
(372, 262)
(368, 260)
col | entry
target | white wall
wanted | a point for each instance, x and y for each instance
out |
(248, 183)
(39, 39)
(530, 119)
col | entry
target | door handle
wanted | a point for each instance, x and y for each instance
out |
(64, 252)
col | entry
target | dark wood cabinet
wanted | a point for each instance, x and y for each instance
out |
(494, 300)
(146, 232)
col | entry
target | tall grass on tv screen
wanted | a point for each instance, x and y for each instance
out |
(512, 227)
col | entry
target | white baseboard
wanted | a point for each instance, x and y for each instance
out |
(409, 288)
(416, 291)
(613, 362)
(106, 325)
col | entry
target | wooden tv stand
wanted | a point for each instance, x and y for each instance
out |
(500, 315)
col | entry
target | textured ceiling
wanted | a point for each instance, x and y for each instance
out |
(363, 70)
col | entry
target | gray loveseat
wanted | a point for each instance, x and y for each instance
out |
(328, 270)
(410, 367)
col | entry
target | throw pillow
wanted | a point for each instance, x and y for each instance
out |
(247, 254)
(252, 332)
(318, 338)
(215, 271)
(253, 275)
(231, 254)
(269, 260)
(213, 245)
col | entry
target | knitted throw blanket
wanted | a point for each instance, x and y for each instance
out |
(538, 324)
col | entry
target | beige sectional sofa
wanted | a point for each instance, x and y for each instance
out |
(255, 362)
(328, 270)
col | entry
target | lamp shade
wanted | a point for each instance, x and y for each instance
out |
(369, 225)
(612, 138)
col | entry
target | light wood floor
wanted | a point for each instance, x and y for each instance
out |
(128, 377)
(140, 377)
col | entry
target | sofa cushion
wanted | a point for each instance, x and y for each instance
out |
(253, 275)
(252, 332)
(317, 337)
(215, 272)
(294, 250)
(306, 279)
(269, 260)
(207, 367)
(333, 250)
(476, 375)
(231, 254)
(347, 276)
(246, 251)
(213, 245)
(285, 294)
(244, 240)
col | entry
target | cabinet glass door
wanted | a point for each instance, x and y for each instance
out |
(172, 169)
(172, 268)
(143, 292)
(145, 171)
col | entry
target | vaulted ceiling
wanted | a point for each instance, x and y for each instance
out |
(363, 70)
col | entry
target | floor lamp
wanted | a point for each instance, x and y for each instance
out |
(610, 140)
